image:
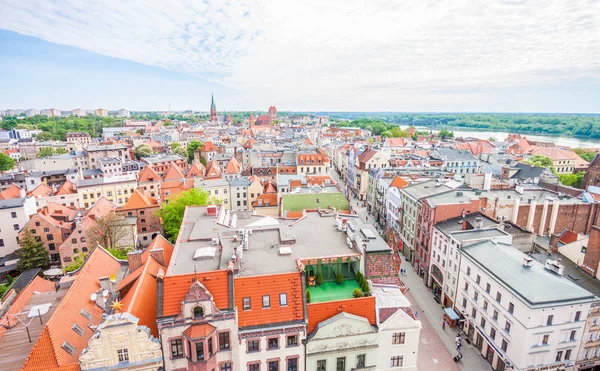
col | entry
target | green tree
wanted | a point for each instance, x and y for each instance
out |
(6, 163)
(445, 134)
(192, 147)
(180, 151)
(386, 134)
(540, 161)
(203, 161)
(143, 150)
(492, 139)
(119, 253)
(60, 151)
(399, 133)
(45, 152)
(572, 180)
(586, 154)
(172, 211)
(32, 253)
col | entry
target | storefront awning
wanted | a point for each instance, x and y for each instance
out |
(451, 314)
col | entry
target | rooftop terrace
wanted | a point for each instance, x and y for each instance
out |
(272, 245)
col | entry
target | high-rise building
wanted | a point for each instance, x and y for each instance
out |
(78, 112)
(52, 112)
(213, 110)
(31, 112)
(123, 113)
(101, 112)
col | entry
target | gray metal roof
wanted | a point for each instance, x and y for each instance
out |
(536, 286)
(12, 203)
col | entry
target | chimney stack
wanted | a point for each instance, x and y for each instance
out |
(592, 253)
(134, 259)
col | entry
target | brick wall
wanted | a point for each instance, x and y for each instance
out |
(592, 254)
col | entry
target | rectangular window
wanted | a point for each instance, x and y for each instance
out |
(322, 365)
(572, 336)
(123, 355)
(253, 346)
(468, 271)
(559, 356)
(283, 299)
(464, 303)
(266, 301)
(273, 343)
(545, 339)
(495, 315)
(224, 341)
(225, 367)
(549, 321)
(474, 313)
(78, 329)
(254, 367)
(360, 360)
(50, 237)
(397, 361)
(16, 227)
(511, 308)
(466, 286)
(46, 230)
(13, 214)
(340, 364)
(482, 323)
(504, 345)
(493, 333)
(567, 354)
(478, 279)
(398, 338)
(176, 348)
(507, 327)
(1, 242)
(199, 351)
(475, 295)
(292, 340)
(292, 364)
(577, 315)
(246, 303)
(498, 296)
(273, 366)
(485, 305)
(210, 347)
(487, 288)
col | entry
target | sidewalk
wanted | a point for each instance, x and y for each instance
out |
(421, 297)
(437, 347)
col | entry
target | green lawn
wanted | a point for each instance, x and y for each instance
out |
(330, 291)
(301, 202)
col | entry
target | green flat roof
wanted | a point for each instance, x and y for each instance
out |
(330, 291)
(305, 201)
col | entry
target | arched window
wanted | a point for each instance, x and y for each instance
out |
(75, 251)
(198, 312)
(84, 249)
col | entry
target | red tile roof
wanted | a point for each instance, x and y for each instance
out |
(148, 175)
(395, 142)
(139, 200)
(101, 208)
(319, 312)
(273, 285)
(42, 190)
(197, 169)
(176, 287)
(209, 147)
(67, 188)
(13, 191)
(173, 172)
(233, 166)
(199, 331)
(266, 200)
(47, 352)
(213, 170)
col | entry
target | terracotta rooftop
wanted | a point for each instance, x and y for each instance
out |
(363, 307)
(49, 351)
(101, 208)
(197, 169)
(233, 166)
(209, 147)
(66, 188)
(42, 190)
(199, 331)
(12, 191)
(173, 172)
(398, 182)
(213, 170)
(139, 200)
(148, 175)
(176, 287)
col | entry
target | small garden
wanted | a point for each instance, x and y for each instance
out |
(335, 281)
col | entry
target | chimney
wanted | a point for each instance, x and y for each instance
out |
(592, 253)
(134, 259)
(553, 244)
(158, 255)
(22, 193)
(464, 225)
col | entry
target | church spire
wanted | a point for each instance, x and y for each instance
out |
(213, 109)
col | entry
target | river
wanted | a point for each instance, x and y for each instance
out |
(500, 136)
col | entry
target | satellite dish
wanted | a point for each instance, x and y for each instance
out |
(93, 297)
(105, 292)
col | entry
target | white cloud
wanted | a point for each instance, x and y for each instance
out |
(350, 55)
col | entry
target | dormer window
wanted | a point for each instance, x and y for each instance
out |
(198, 312)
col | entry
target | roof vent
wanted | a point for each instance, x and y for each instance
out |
(528, 261)
(205, 253)
(285, 250)
(555, 266)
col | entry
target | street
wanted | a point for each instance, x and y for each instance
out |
(437, 347)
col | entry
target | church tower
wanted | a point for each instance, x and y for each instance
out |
(213, 110)
(251, 120)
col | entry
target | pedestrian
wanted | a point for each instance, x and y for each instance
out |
(416, 315)
(444, 325)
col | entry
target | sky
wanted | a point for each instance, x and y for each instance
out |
(302, 55)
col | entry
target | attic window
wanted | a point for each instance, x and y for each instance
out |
(86, 314)
(78, 329)
(68, 347)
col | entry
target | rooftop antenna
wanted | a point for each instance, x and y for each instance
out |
(195, 273)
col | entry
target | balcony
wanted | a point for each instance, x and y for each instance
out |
(330, 291)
